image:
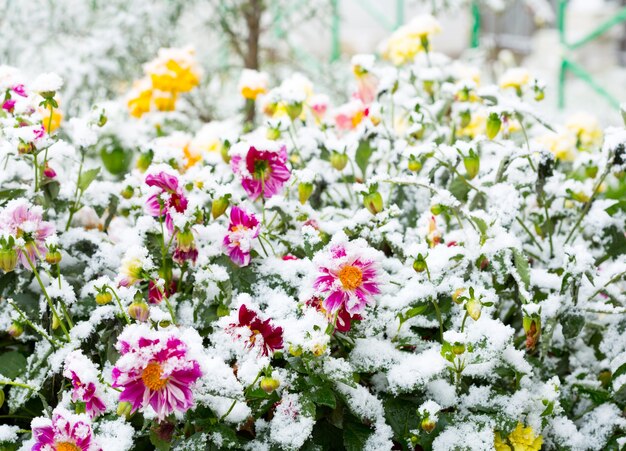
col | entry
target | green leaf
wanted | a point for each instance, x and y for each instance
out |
(522, 267)
(355, 435)
(619, 371)
(459, 189)
(87, 177)
(572, 324)
(324, 396)
(12, 364)
(363, 154)
(401, 415)
(159, 443)
(197, 442)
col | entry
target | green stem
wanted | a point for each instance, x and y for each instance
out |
(245, 392)
(36, 328)
(119, 303)
(438, 312)
(588, 204)
(50, 304)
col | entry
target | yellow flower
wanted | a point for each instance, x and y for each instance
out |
(586, 129)
(174, 69)
(410, 39)
(165, 100)
(477, 126)
(140, 98)
(55, 122)
(521, 439)
(253, 83)
(562, 145)
(515, 78)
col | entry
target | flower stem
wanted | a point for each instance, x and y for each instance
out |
(119, 303)
(38, 329)
(245, 391)
(50, 304)
(438, 312)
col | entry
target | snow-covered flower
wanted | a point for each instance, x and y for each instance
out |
(25, 222)
(66, 431)
(516, 78)
(46, 83)
(84, 376)
(261, 334)
(244, 227)
(349, 115)
(169, 199)
(155, 370)
(253, 83)
(346, 280)
(262, 171)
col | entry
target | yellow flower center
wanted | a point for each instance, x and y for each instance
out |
(66, 446)
(350, 277)
(151, 377)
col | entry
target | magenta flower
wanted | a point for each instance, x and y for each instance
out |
(155, 370)
(262, 172)
(346, 281)
(243, 229)
(9, 105)
(84, 377)
(19, 90)
(171, 198)
(65, 432)
(20, 220)
(259, 333)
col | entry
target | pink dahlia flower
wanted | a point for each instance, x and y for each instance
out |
(259, 333)
(347, 281)
(84, 377)
(20, 220)
(9, 105)
(65, 432)
(244, 227)
(262, 172)
(20, 90)
(155, 370)
(171, 198)
(344, 319)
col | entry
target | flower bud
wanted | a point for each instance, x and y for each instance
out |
(419, 265)
(414, 164)
(49, 172)
(128, 192)
(373, 202)
(25, 148)
(473, 308)
(304, 192)
(295, 351)
(428, 425)
(532, 327)
(428, 86)
(53, 257)
(139, 311)
(124, 409)
(144, 161)
(80, 407)
(338, 160)
(472, 164)
(493, 125)
(1, 397)
(605, 378)
(269, 384)
(8, 259)
(15, 329)
(539, 94)
(102, 120)
(103, 298)
(273, 134)
(219, 206)
(436, 209)
(456, 294)
(294, 110)
(185, 240)
(458, 348)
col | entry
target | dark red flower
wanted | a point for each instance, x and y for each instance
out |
(263, 333)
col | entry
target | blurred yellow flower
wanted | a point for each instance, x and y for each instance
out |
(586, 129)
(515, 78)
(410, 39)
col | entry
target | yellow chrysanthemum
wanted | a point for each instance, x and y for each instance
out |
(521, 439)
(562, 145)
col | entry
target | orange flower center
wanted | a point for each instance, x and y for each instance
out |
(151, 377)
(350, 277)
(66, 446)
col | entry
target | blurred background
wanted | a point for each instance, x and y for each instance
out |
(578, 47)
